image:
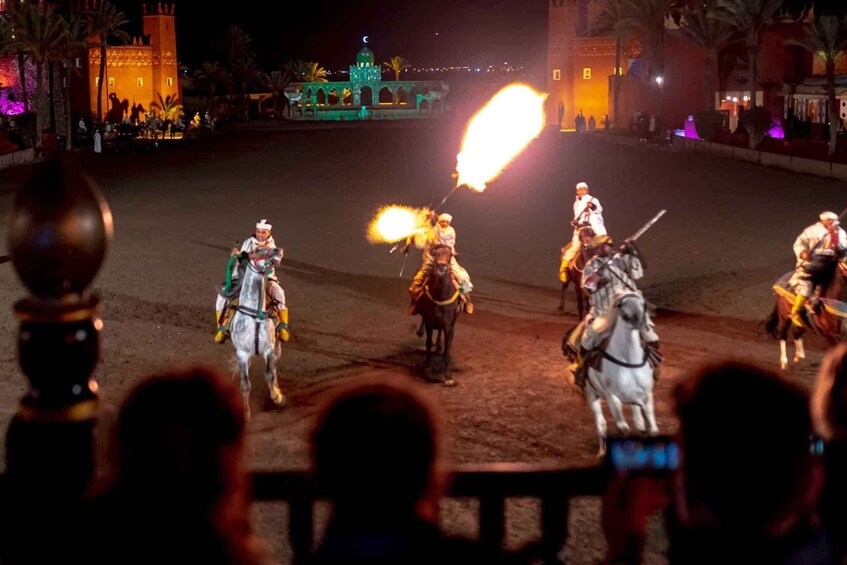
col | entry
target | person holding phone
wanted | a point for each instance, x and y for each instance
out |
(747, 483)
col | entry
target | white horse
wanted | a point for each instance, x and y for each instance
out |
(252, 330)
(625, 375)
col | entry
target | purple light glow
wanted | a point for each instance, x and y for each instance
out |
(776, 132)
(690, 130)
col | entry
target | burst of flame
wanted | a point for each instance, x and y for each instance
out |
(498, 133)
(395, 223)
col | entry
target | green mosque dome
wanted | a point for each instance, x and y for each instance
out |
(365, 57)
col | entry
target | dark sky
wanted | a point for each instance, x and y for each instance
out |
(330, 31)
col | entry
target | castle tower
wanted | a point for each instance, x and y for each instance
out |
(159, 25)
(563, 24)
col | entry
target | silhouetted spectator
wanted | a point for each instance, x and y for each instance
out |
(592, 123)
(829, 414)
(179, 493)
(748, 483)
(377, 454)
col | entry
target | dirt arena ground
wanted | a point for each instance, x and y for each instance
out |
(711, 260)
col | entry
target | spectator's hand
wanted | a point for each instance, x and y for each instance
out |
(628, 502)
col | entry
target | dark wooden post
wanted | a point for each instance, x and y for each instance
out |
(58, 235)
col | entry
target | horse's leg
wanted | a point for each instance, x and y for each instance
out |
(420, 331)
(271, 357)
(580, 299)
(638, 418)
(244, 371)
(616, 408)
(799, 348)
(439, 341)
(783, 355)
(599, 420)
(428, 346)
(561, 307)
(448, 345)
(650, 413)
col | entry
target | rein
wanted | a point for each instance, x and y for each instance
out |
(447, 302)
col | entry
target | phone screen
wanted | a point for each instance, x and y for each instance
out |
(660, 453)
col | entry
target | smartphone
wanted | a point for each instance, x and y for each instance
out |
(652, 453)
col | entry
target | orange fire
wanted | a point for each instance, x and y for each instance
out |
(396, 223)
(498, 133)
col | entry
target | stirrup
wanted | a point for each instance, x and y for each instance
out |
(221, 335)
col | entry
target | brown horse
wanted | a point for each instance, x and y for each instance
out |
(574, 271)
(439, 307)
(826, 318)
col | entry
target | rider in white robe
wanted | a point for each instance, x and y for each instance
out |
(821, 240)
(605, 275)
(587, 211)
(442, 233)
(255, 247)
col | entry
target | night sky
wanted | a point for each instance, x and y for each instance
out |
(436, 32)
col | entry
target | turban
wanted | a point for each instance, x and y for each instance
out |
(263, 225)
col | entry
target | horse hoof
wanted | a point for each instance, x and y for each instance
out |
(560, 311)
(279, 400)
(601, 453)
(419, 333)
(449, 382)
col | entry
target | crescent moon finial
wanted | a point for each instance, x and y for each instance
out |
(365, 39)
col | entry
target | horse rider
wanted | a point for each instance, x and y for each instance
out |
(606, 274)
(256, 247)
(587, 211)
(818, 245)
(440, 232)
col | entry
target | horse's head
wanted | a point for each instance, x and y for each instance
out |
(586, 236)
(268, 259)
(631, 308)
(442, 256)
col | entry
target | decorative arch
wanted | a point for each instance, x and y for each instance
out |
(386, 96)
(400, 96)
(332, 98)
(424, 107)
(413, 94)
(367, 96)
(436, 106)
(346, 96)
(321, 97)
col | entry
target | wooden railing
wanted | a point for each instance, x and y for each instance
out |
(490, 483)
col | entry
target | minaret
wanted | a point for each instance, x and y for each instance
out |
(159, 25)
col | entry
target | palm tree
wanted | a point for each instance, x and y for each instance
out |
(41, 34)
(169, 106)
(610, 22)
(749, 18)
(398, 65)
(826, 38)
(276, 81)
(104, 24)
(75, 42)
(209, 76)
(297, 69)
(314, 73)
(646, 18)
(240, 63)
(700, 27)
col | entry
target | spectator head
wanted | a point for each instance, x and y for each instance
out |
(180, 438)
(829, 397)
(746, 458)
(376, 449)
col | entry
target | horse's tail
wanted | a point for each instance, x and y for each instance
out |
(771, 323)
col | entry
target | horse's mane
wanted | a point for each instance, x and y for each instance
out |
(235, 289)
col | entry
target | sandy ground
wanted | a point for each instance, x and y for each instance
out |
(711, 260)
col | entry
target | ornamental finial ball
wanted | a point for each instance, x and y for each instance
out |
(59, 231)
